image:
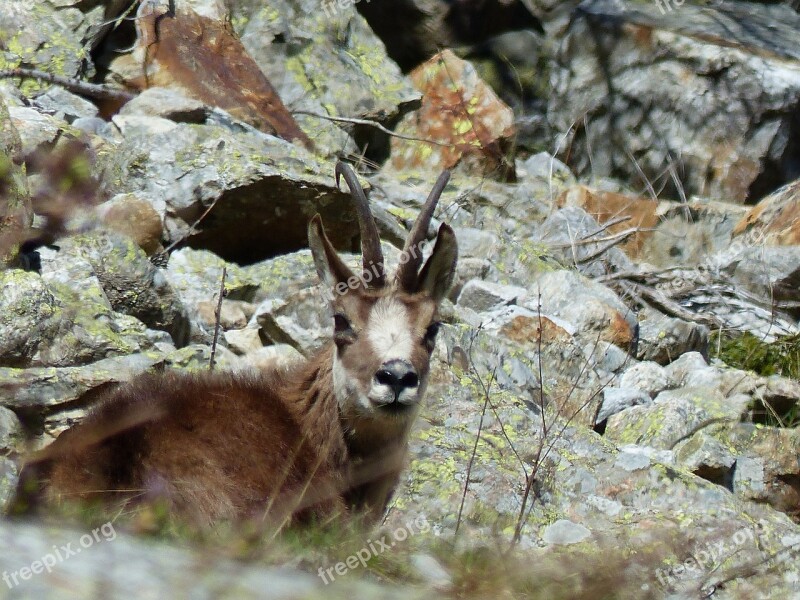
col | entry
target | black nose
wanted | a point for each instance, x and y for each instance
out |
(398, 375)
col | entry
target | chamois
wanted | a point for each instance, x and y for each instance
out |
(326, 437)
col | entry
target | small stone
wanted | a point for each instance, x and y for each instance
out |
(275, 356)
(243, 341)
(564, 532)
(618, 399)
(167, 103)
(484, 295)
(135, 217)
(65, 104)
(476, 243)
(678, 370)
(431, 571)
(10, 431)
(648, 377)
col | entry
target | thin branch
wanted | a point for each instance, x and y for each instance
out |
(608, 224)
(615, 238)
(83, 88)
(649, 185)
(375, 124)
(217, 318)
(193, 228)
(537, 461)
(475, 446)
(612, 241)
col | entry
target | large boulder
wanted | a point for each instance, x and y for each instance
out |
(707, 94)
(244, 196)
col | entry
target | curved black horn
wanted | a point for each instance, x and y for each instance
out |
(407, 272)
(371, 254)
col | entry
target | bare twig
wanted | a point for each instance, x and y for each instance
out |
(612, 240)
(83, 88)
(217, 318)
(193, 226)
(531, 477)
(474, 447)
(608, 224)
(649, 185)
(375, 124)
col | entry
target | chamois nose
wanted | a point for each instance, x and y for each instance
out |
(398, 375)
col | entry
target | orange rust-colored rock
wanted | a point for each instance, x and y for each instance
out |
(205, 57)
(524, 329)
(460, 112)
(619, 331)
(776, 218)
(136, 218)
(605, 206)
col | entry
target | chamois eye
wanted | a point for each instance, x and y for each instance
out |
(341, 324)
(430, 334)
(342, 330)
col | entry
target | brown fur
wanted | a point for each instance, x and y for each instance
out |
(212, 445)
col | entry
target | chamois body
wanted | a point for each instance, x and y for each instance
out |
(213, 446)
(321, 438)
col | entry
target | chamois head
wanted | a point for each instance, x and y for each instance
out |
(384, 329)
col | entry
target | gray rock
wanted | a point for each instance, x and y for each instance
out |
(195, 275)
(567, 234)
(564, 533)
(300, 49)
(30, 317)
(197, 357)
(467, 270)
(263, 189)
(606, 357)
(58, 392)
(167, 103)
(51, 35)
(484, 296)
(118, 561)
(678, 370)
(770, 272)
(476, 243)
(697, 89)
(616, 400)
(545, 167)
(755, 462)
(431, 571)
(10, 432)
(65, 105)
(595, 311)
(648, 377)
(299, 319)
(8, 480)
(506, 350)
(36, 129)
(673, 416)
(243, 341)
(130, 282)
(709, 456)
(277, 355)
(623, 485)
(93, 125)
(663, 339)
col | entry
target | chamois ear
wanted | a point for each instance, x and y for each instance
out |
(330, 267)
(437, 275)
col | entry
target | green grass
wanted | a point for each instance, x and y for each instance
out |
(781, 357)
